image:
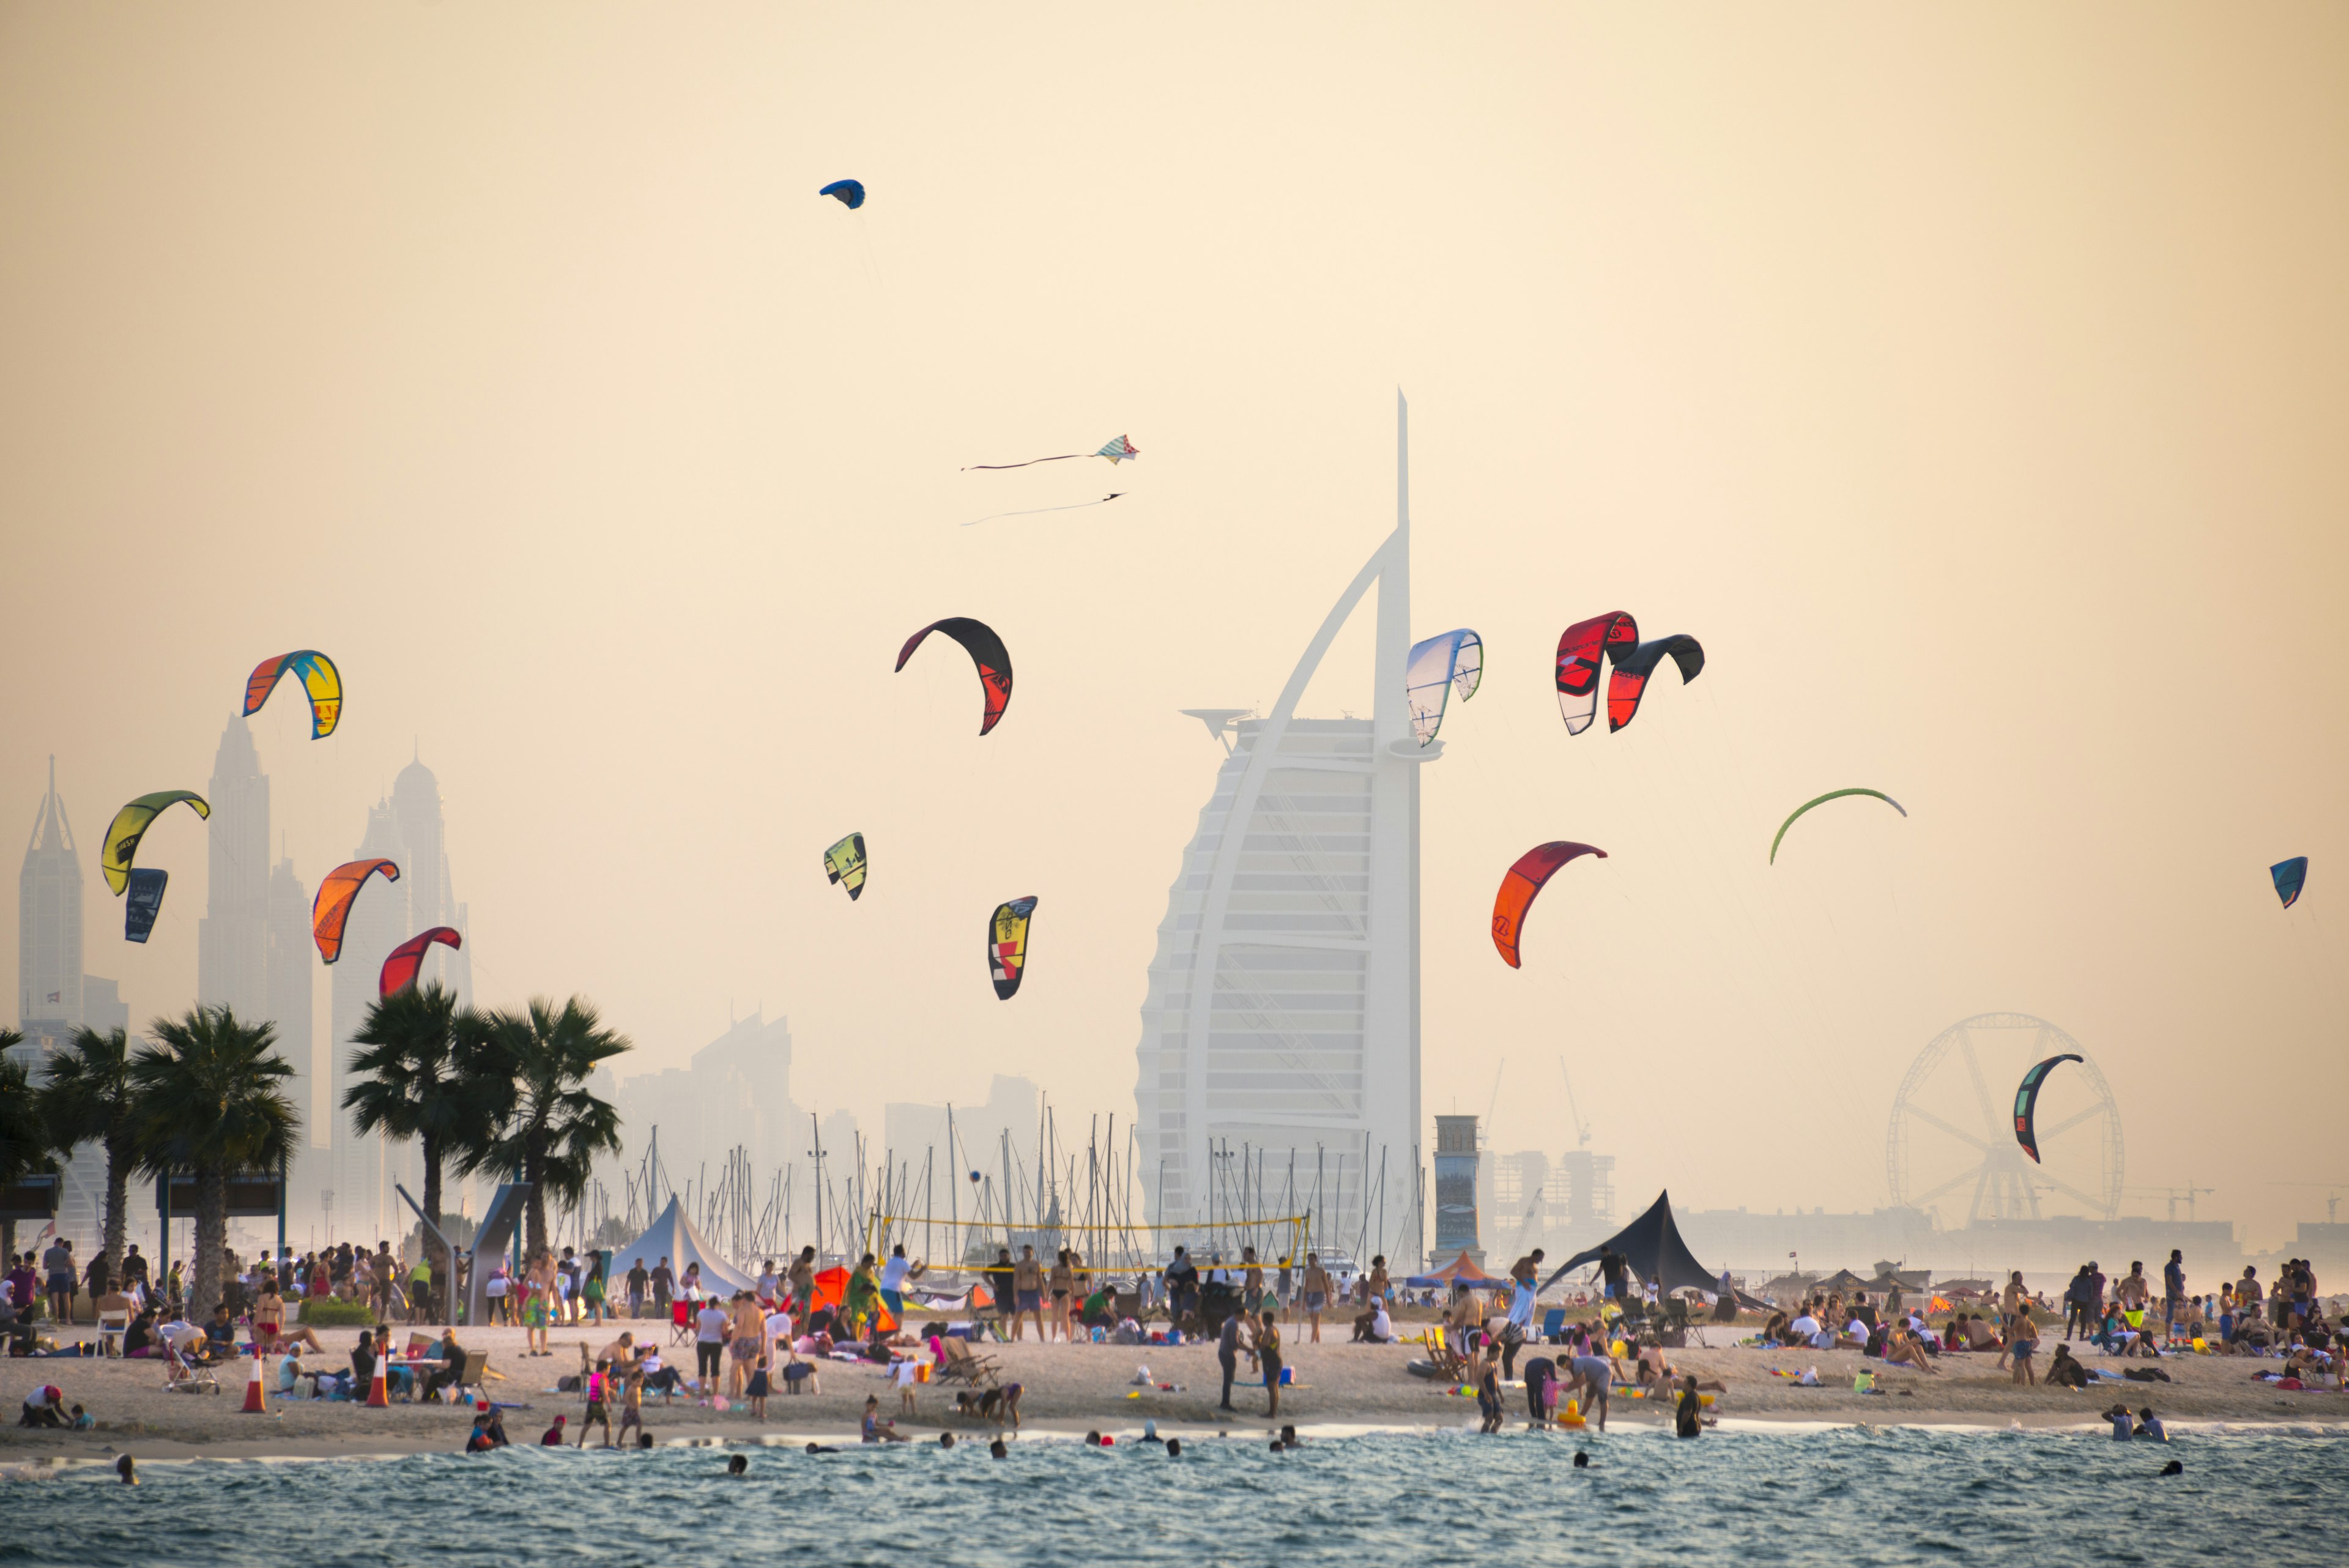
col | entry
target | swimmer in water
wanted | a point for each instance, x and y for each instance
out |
(820, 1448)
(1093, 1439)
(1288, 1436)
(1173, 1448)
(946, 1439)
(737, 1464)
(1150, 1433)
(1582, 1460)
(2174, 1468)
(128, 1469)
(644, 1438)
(996, 1451)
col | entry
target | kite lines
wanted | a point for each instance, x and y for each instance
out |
(1073, 506)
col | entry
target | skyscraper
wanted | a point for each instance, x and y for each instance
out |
(405, 829)
(48, 919)
(55, 996)
(286, 958)
(231, 939)
(1281, 1026)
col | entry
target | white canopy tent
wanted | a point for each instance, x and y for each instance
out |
(672, 1236)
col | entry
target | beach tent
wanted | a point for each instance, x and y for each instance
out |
(1459, 1269)
(672, 1236)
(1843, 1280)
(1652, 1244)
(831, 1290)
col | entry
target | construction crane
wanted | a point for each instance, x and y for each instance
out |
(2174, 1195)
(1581, 1128)
(2333, 1190)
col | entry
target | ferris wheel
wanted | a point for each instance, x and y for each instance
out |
(1962, 1081)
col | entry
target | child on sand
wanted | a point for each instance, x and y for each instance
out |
(758, 1390)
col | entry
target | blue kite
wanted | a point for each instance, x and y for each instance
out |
(850, 193)
(2290, 875)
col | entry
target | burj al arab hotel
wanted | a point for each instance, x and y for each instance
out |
(1278, 1067)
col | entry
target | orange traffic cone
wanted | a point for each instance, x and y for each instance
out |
(256, 1398)
(378, 1397)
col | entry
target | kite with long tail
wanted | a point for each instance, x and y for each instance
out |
(1072, 506)
(1117, 452)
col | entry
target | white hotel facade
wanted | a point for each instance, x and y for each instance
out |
(1280, 1052)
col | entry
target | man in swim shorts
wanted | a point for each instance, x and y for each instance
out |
(1592, 1375)
(1028, 1281)
(1317, 1292)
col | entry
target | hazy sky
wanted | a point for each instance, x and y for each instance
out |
(1969, 380)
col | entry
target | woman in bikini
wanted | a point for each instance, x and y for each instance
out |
(1063, 1282)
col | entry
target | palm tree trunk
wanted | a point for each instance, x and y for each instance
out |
(448, 1270)
(533, 1205)
(212, 1238)
(117, 1202)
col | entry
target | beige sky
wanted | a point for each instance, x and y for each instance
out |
(1968, 380)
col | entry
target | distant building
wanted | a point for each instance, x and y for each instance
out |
(55, 996)
(1011, 1110)
(1281, 1026)
(1456, 1158)
(48, 920)
(735, 1092)
(1559, 1203)
(406, 829)
(232, 937)
(288, 961)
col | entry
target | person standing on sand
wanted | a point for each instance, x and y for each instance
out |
(710, 1327)
(632, 1400)
(1229, 1342)
(664, 1286)
(1282, 1286)
(747, 1345)
(637, 1282)
(599, 1396)
(1028, 1281)
(801, 1280)
(2173, 1290)
(1317, 1293)
(1268, 1356)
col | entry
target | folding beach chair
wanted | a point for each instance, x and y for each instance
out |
(961, 1364)
(182, 1376)
(1552, 1329)
(680, 1323)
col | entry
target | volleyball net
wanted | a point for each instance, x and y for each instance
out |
(953, 1245)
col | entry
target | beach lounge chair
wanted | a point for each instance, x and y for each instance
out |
(959, 1362)
(473, 1375)
(1553, 1330)
(680, 1323)
(183, 1375)
(111, 1327)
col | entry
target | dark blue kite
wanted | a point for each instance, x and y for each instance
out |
(2290, 876)
(851, 192)
(146, 902)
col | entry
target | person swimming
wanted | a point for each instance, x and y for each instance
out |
(737, 1464)
(1173, 1448)
(128, 1469)
(2174, 1468)
(1582, 1460)
(946, 1439)
(1150, 1433)
(996, 1451)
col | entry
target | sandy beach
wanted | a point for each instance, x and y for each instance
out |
(1073, 1388)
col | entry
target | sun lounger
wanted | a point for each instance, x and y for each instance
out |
(960, 1363)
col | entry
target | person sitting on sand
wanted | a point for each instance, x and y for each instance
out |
(1901, 1349)
(879, 1428)
(2063, 1372)
(43, 1406)
(1979, 1335)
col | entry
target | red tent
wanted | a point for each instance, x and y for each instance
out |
(831, 1290)
(1462, 1270)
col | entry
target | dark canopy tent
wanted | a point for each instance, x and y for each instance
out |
(1652, 1244)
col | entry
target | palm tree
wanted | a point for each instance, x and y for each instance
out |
(431, 1071)
(208, 1103)
(25, 1148)
(552, 1127)
(88, 1099)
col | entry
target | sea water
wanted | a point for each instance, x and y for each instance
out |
(1841, 1496)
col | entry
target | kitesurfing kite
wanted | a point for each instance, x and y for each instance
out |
(332, 906)
(1117, 451)
(1006, 945)
(1831, 794)
(1436, 666)
(1614, 638)
(986, 650)
(146, 902)
(2026, 1103)
(319, 677)
(399, 966)
(845, 863)
(850, 194)
(1525, 880)
(130, 825)
(2290, 876)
